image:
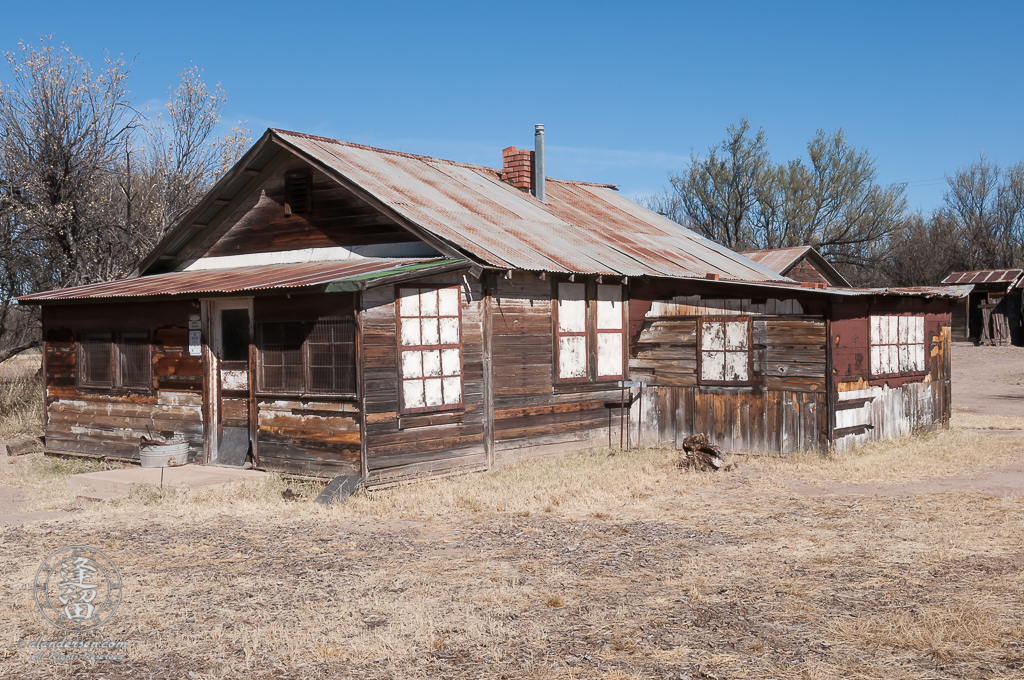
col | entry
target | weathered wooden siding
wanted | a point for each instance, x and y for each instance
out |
(784, 409)
(305, 436)
(804, 270)
(99, 423)
(532, 415)
(315, 435)
(872, 409)
(337, 218)
(398, 446)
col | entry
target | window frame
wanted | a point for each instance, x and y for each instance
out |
(308, 325)
(114, 355)
(591, 333)
(923, 344)
(399, 348)
(701, 320)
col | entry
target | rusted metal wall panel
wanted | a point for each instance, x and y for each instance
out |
(870, 408)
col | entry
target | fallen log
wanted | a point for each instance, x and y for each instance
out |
(20, 447)
(700, 454)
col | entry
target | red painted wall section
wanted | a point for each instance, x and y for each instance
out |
(850, 338)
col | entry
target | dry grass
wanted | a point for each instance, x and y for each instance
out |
(48, 478)
(21, 407)
(925, 455)
(596, 565)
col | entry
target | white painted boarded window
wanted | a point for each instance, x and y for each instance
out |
(610, 328)
(572, 331)
(590, 326)
(725, 351)
(430, 364)
(897, 345)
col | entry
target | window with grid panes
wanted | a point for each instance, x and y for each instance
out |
(897, 345)
(109, 360)
(578, 331)
(724, 355)
(430, 339)
(306, 357)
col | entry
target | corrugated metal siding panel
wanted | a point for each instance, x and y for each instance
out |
(234, 280)
(583, 228)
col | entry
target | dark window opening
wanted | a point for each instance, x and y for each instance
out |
(298, 193)
(96, 369)
(307, 357)
(109, 360)
(134, 360)
(234, 335)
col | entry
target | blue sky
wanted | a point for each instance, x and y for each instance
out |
(625, 91)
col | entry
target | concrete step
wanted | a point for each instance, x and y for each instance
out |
(184, 479)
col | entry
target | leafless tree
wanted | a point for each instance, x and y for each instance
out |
(88, 184)
(737, 196)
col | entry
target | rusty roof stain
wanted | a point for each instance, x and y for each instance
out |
(984, 276)
(350, 275)
(583, 228)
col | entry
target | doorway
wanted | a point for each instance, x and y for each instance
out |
(230, 322)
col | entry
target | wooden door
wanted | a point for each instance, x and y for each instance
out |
(231, 327)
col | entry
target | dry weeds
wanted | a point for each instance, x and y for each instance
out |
(21, 406)
(612, 565)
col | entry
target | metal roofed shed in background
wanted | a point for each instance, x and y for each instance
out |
(336, 276)
(785, 260)
(1007, 276)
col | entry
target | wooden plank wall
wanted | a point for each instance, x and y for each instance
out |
(337, 218)
(533, 416)
(785, 407)
(314, 435)
(398, 446)
(102, 424)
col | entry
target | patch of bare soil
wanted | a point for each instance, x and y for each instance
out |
(14, 502)
(988, 380)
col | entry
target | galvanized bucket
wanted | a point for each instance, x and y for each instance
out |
(170, 454)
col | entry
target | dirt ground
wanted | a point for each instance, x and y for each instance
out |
(988, 380)
(899, 560)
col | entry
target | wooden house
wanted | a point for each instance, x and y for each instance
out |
(992, 311)
(802, 263)
(330, 308)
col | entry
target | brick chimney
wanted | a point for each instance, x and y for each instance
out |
(517, 167)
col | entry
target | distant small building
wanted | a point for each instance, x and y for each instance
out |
(997, 289)
(802, 263)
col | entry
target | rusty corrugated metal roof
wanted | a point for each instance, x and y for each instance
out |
(782, 260)
(350, 275)
(583, 228)
(779, 260)
(984, 276)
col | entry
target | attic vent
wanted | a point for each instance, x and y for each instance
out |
(297, 192)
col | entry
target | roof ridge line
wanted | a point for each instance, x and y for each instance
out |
(421, 157)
